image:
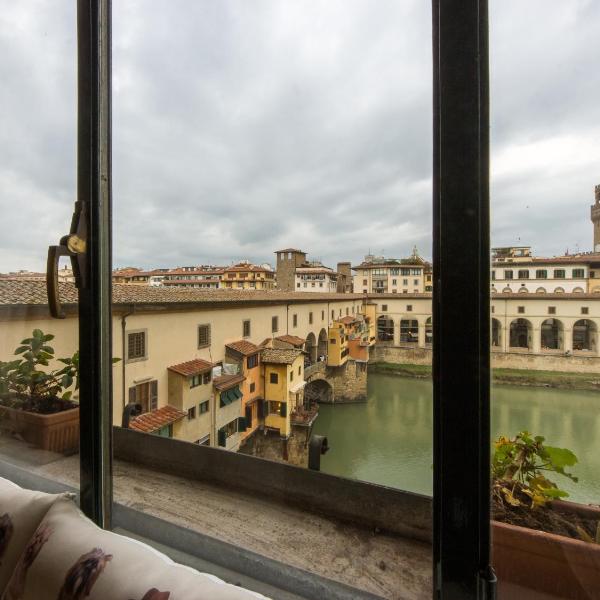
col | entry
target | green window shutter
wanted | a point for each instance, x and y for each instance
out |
(222, 438)
(283, 410)
(242, 424)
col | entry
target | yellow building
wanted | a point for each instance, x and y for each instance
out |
(337, 352)
(190, 391)
(245, 276)
(284, 387)
(227, 421)
(247, 356)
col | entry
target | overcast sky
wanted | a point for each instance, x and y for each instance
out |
(241, 127)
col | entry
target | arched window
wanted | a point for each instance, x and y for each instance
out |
(496, 333)
(540, 290)
(409, 331)
(523, 290)
(559, 290)
(494, 290)
(385, 329)
(506, 290)
(552, 334)
(578, 290)
(428, 332)
(521, 332)
(585, 335)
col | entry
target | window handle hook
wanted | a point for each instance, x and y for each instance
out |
(74, 246)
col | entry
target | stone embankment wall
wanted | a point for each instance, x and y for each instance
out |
(294, 450)
(500, 360)
(349, 382)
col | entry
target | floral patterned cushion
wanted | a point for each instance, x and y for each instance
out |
(21, 512)
(69, 558)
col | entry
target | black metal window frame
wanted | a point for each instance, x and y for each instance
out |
(461, 548)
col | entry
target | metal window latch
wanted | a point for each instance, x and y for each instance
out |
(74, 246)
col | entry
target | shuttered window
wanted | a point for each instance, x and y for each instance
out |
(203, 335)
(136, 345)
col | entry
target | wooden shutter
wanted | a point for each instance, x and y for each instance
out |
(222, 438)
(283, 409)
(248, 416)
(242, 424)
(153, 394)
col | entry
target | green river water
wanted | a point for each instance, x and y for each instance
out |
(388, 439)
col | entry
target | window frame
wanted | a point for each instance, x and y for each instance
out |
(209, 335)
(461, 266)
(131, 332)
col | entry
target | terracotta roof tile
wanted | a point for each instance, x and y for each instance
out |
(154, 420)
(281, 356)
(224, 382)
(191, 367)
(294, 340)
(243, 347)
(348, 320)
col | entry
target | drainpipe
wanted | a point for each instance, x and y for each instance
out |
(287, 318)
(124, 350)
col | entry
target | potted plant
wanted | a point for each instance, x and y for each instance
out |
(36, 403)
(540, 541)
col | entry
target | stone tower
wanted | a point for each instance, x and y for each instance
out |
(288, 261)
(595, 216)
(344, 282)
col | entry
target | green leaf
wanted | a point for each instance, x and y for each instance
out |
(555, 493)
(21, 349)
(48, 349)
(38, 334)
(67, 395)
(48, 337)
(561, 457)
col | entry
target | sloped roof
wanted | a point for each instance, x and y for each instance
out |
(243, 347)
(294, 340)
(224, 382)
(347, 320)
(281, 356)
(191, 367)
(156, 419)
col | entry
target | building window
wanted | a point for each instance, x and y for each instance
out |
(191, 413)
(415, 282)
(383, 307)
(310, 318)
(559, 273)
(246, 328)
(274, 324)
(394, 282)
(520, 309)
(578, 273)
(277, 408)
(585, 310)
(524, 274)
(405, 282)
(136, 345)
(409, 308)
(195, 381)
(592, 274)
(252, 361)
(298, 284)
(203, 407)
(347, 311)
(295, 321)
(552, 310)
(291, 375)
(541, 274)
(203, 336)
(252, 387)
(493, 276)
(300, 370)
(274, 378)
(332, 341)
(332, 315)
(207, 377)
(508, 274)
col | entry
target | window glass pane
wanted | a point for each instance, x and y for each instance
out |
(272, 223)
(545, 411)
(39, 412)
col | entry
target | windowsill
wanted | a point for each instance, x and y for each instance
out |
(303, 538)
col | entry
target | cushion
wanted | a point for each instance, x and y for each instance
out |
(70, 558)
(21, 512)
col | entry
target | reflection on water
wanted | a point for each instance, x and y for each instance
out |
(388, 439)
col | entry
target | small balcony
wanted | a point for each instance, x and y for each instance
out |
(305, 417)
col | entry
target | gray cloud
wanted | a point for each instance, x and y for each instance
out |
(242, 127)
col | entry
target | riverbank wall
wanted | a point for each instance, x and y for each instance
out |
(573, 363)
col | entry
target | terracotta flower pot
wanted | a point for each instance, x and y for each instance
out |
(546, 562)
(57, 432)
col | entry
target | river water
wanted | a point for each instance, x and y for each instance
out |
(388, 439)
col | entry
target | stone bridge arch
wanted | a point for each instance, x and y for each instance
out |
(318, 389)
